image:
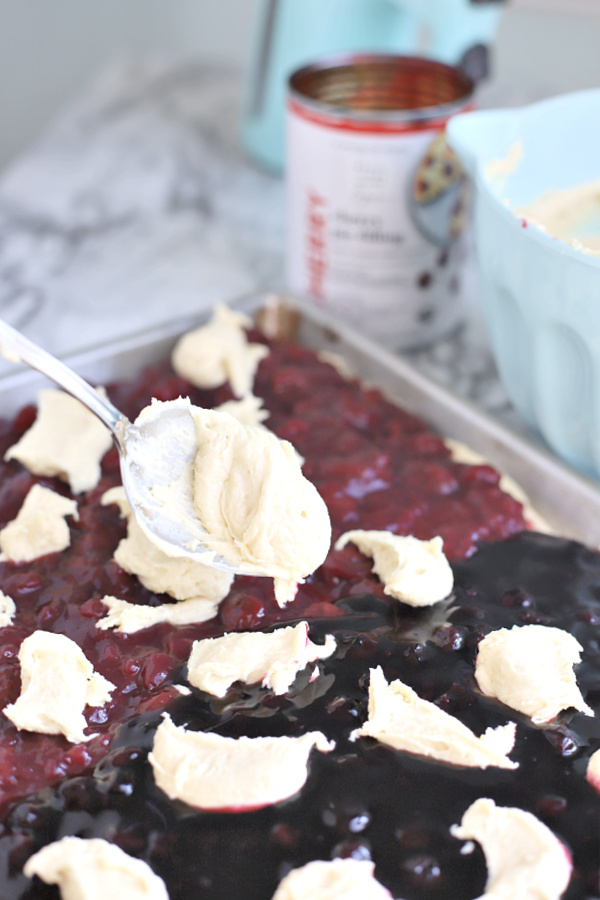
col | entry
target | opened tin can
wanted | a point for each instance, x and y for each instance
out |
(376, 200)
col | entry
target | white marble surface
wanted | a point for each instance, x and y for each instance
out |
(137, 206)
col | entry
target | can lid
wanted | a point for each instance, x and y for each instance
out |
(372, 87)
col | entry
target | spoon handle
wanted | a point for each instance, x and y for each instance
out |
(15, 347)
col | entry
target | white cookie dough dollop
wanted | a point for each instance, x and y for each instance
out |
(208, 771)
(413, 571)
(337, 879)
(401, 719)
(39, 527)
(525, 860)
(66, 440)
(593, 770)
(94, 869)
(249, 410)
(530, 669)
(57, 683)
(127, 618)
(219, 352)
(7, 610)
(273, 659)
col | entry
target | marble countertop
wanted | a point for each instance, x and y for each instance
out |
(137, 206)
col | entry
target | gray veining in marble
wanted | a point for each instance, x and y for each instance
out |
(134, 207)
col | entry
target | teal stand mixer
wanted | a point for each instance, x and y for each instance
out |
(293, 33)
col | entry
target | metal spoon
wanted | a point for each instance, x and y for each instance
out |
(157, 454)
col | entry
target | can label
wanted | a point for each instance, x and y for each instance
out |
(374, 217)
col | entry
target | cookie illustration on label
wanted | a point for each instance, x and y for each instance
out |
(438, 194)
(437, 172)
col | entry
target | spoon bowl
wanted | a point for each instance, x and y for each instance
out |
(156, 455)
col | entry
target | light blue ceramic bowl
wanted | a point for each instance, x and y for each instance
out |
(541, 296)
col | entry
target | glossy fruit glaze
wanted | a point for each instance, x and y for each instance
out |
(362, 800)
(376, 467)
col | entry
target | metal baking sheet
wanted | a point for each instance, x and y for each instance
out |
(568, 501)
